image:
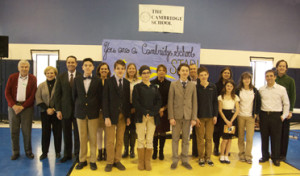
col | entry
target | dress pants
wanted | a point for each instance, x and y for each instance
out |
(47, 122)
(145, 132)
(67, 132)
(114, 140)
(88, 132)
(285, 137)
(270, 126)
(182, 126)
(247, 123)
(23, 120)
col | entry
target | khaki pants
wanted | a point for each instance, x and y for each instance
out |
(145, 132)
(87, 129)
(115, 133)
(205, 131)
(248, 123)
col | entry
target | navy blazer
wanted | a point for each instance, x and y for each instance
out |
(63, 95)
(113, 98)
(87, 104)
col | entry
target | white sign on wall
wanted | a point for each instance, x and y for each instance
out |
(161, 18)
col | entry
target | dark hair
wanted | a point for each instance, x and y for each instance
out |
(182, 65)
(223, 92)
(202, 69)
(162, 66)
(119, 62)
(99, 67)
(71, 56)
(225, 68)
(277, 64)
(135, 75)
(243, 76)
(88, 60)
(143, 68)
(270, 71)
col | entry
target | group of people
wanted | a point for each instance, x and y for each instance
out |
(109, 111)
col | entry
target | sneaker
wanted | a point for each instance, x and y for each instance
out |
(201, 162)
(249, 161)
(209, 162)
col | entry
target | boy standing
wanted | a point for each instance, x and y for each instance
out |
(116, 111)
(87, 91)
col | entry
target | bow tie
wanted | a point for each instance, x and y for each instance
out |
(89, 77)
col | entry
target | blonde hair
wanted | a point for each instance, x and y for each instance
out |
(50, 68)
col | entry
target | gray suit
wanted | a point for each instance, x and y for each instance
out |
(182, 106)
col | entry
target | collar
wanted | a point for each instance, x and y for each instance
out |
(88, 77)
(184, 81)
(117, 78)
(23, 77)
(74, 73)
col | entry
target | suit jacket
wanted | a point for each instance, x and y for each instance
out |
(87, 104)
(182, 102)
(42, 95)
(63, 95)
(113, 99)
(12, 88)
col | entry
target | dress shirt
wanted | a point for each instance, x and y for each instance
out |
(117, 79)
(183, 82)
(275, 99)
(21, 91)
(69, 74)
(194, 80)
(87, 83)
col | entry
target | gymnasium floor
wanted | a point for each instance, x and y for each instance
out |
(51, 166)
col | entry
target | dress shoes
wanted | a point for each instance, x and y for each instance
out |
(65, 158)
(93, 166)
(43, 156)
(108, 167)
(15, 156)
(80, 165)
(276, 162)
(187, 165)
(119, 165)
(57, 155)
(262, 160)
(174, 166)
(29, 155)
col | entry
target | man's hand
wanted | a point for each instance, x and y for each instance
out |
(193, 123)
(198, 123)
(128, 122)
(50, 111)
(108, 122)
(59, 115)
(290, 115)
(172, 122)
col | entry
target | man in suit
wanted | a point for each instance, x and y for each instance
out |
(116, 111)
(182, 108)
(87, 96)
(64, 106)
(19, 93)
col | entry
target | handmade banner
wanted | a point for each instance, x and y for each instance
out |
(151, 53)
(161, 18)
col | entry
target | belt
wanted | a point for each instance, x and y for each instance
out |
(20, 102)
(271, 112)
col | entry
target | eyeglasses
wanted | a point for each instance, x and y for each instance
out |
(145, 73)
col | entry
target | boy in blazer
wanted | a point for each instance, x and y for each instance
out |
(64, 107)
(116, 111)
(87, 91)
(182, 109)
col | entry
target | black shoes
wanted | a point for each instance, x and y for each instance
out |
(125, 154)
(276, 162)
(30, 155)
(57, 155)
(65, 158)
(43, 156)
(262, 160)
(132, 155)
(81, 165)
(100, 156)
(15, 156)
(93, 166)
(119, 165)
(108, 167)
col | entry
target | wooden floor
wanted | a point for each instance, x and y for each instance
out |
(236, 168)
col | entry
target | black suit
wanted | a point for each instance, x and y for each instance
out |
(116, 101)
(87, 104)
(64, 103)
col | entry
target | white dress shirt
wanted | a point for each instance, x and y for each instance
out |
(275, 99)
(117, 79)
(87, 83)
(21, 90)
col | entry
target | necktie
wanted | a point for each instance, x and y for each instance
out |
(184, 84)
(120, 84)
(71, 80)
